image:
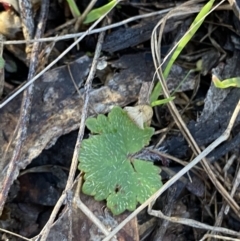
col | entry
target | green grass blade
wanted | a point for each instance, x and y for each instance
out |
(182, 81)
(98, 12)
(74, 8)
(163, 101)
(193, 29)
(155, 93)
(182, 43)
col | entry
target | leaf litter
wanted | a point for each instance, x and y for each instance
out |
(56, 114)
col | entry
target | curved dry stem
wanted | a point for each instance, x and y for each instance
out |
(155, 44)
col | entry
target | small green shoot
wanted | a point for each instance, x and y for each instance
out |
(182, 43)
(197, 69)
(162, 102)
(107, 160)
(74, 8)
(99, 12)
(94, 14)
(232, 82)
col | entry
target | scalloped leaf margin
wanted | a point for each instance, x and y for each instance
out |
(110, 171)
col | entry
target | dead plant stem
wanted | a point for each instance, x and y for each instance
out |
(84, 15)
(12, 170)
(14, 234)
(193, 223)
(88, 85)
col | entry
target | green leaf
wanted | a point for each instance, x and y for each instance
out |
(110, 171)
(99, 12)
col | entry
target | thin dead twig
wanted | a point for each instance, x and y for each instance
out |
(14, 234)
(73, 81)
(219, 237)
(84, 14)
(111, 25)
(2, 75)
(235, 185)
(27, 23)
(25, 106)
(101, 29)
(235, 7)
(193, 9)
(218, 220)
(69, 198)
(91, 216)
(171, 196)
(192, 223)
(44, 233)
(224, 207)
(86, 210)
